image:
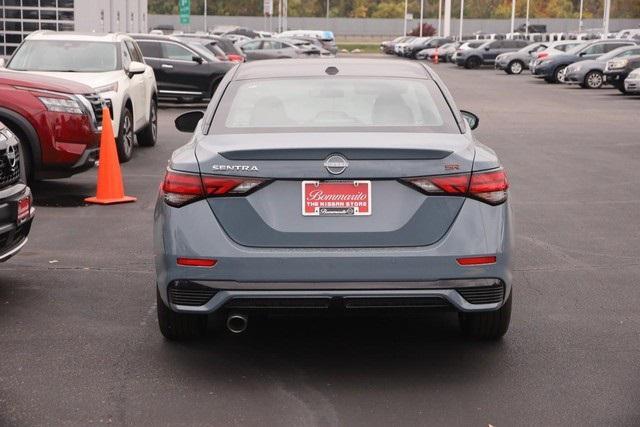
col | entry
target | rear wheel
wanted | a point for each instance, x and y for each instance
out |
(179, 326)
(471, 63)
(515, 67)
(490, 325)
(148, 136)
(593, 80)
(126, 135)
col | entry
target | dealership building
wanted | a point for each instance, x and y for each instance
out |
(18, 18)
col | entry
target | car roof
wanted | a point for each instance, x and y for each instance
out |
(76, 35)
(349, 67)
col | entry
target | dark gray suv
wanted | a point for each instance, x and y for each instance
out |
(486, 53)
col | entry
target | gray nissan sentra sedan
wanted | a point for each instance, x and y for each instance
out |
(327, 185)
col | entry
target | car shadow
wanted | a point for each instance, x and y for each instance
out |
(61, 193)
(397, 348)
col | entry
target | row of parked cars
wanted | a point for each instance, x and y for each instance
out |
(55, 85)
(589, 63)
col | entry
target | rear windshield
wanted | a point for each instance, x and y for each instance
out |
(65, 55)
(334, 104)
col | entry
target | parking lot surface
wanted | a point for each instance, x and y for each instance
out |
(80, 344)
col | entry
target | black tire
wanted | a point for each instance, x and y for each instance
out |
(515, 67)
(490, 325)
(472, 63)
(179, 326)
(557, 74)
(126, 136)
(148, 136)
(593, 80)
(620, 87)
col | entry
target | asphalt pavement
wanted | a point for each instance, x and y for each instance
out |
(79, 343)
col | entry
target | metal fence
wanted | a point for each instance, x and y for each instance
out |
(347, 27)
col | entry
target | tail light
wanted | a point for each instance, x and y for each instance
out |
(235, 58)
(180, 188)
(487, 186)
(543, 55)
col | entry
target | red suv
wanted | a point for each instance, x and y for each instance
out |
(58, 123)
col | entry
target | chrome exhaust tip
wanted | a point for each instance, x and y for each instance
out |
(237, 323)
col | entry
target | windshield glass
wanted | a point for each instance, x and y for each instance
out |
(576, 49)
(65, 55)
(334, 104)
(613, 53)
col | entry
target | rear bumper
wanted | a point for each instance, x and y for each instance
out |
(467, 295)
(402, 272)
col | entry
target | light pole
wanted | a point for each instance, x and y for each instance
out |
(461, 17)
(605, 24)
(440, 18)
(406, 9)
(447, 18)
(513, 17)
(205, 16)
(526, 21)
(327, 14)
(580, 19)
(421, 15)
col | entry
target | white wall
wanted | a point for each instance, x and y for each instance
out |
(111, 16)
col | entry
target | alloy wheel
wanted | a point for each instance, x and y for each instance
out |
(594, 80)
(516, 67)
(127, 129)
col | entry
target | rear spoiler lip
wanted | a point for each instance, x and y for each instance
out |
(349, 153)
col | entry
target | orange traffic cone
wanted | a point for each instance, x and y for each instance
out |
(435, 59)
(110, 188)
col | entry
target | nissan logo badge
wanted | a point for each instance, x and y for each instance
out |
(336, 164)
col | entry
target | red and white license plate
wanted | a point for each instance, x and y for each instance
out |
(24, 209)
(336, 198)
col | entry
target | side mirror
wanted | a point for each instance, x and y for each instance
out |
(582, 53)
(197, 59)
(136, 68)
(487, 48)
(2, 63)
(188, 121)
(472, 120)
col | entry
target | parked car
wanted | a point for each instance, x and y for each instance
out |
(441, 51)
(220, 247)
(590, 73)
(424, 43)
(213, 43)
(33, 106)
(399, 47)
(304, 42)
(237, 38)
(112, 65)
(486, 53)
(181, 71)
(387, 47)
(277, 48)
(516, 62)
(470, 44)
(552, 69)
(617, 70)
(555, 48)
(327, 38)
(632, 82)
(16, 207)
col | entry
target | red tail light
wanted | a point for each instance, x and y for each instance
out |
(543, 55)
(180, 188)
(235, 58)
(488, 186)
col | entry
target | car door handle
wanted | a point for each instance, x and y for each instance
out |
(166, 66)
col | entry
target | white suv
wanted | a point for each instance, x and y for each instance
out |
(110, 63)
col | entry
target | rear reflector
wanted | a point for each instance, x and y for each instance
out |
(478, 260)
(487, 186)
(196, 262)
(182, 188)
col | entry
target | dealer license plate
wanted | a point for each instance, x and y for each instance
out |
(336, 198)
